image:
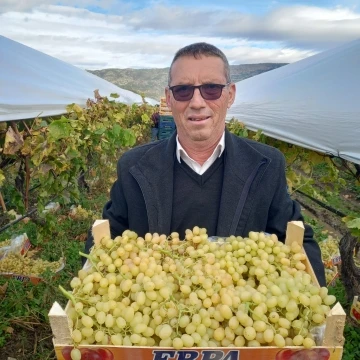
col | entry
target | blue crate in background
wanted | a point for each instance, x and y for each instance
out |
(166, 131)
(165, 134)
(166, 119)
(167, 126)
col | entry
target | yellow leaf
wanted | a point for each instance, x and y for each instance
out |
(3, 289)
(306, 167)
(2, 178)
(315, 158)
(78, 109)
(9, 330)
(291, 176)
(26, 149)
(13, 142)
(30, 295)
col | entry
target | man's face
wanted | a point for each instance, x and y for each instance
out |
(199, 122)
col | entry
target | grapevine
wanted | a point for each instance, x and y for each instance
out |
(50, 154)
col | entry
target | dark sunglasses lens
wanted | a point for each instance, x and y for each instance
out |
(183, 92)
(211, 91)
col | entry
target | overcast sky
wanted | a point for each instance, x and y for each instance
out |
(98, 34)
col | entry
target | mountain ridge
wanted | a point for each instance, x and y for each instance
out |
(152, 82)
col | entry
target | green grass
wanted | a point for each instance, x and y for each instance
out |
(319, 233)
(19, 228)
(24, 308)
(342, 205)
(350, 187)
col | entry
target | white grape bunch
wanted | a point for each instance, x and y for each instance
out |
(26, 265)
(5, 243)
(161, 291)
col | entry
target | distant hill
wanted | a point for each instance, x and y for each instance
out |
(151, 82)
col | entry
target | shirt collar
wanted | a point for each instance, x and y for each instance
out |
(181, 153)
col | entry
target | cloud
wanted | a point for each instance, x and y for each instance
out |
(29, 5)
(149, 37)
(294, 25)
(301, 26)
(251, 55)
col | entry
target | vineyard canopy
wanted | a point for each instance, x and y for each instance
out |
(35, 84)
(313, 103)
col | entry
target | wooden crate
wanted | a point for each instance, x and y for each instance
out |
(164, 110)
(331, 349)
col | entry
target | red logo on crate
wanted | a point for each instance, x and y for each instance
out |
(89, 354)
(356, 314)
(25, 247)
(303, 354)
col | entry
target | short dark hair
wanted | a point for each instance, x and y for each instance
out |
(201, 49)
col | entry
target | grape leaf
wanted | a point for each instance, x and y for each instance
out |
(353, 224)
(13, 142)
(59, 129)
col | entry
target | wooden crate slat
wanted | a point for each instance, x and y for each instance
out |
(60, 326)
(295, 233)
(335, 323)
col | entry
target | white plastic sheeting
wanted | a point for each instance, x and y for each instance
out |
(35, 84)
(313, 103)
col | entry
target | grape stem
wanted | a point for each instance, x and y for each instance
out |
(67, 295)
(178, 278)
(90, 258)
(169, 253)
(265, 321)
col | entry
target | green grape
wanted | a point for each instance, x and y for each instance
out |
(159, 291)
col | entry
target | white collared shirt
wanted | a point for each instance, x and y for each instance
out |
(181, 154)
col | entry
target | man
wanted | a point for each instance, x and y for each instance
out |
(203, 175)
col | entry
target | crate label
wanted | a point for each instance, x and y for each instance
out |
(147, 353)
(22, 278)
(195, 355)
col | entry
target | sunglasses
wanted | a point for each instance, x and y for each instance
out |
(207, 91)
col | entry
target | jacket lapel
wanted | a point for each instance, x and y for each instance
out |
(242, 163)
(154, 173)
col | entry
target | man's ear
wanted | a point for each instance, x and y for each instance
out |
(232, 93)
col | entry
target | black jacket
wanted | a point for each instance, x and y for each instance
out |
(254, 195)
